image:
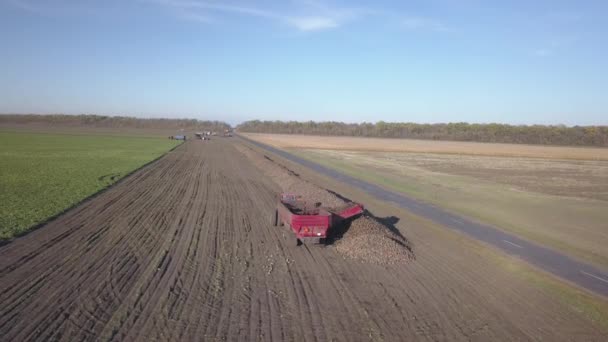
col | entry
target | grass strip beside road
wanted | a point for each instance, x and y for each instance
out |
(590, 306)
(41, 175)
(587, 304)
(548, 220)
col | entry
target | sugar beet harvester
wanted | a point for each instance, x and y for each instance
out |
(311, 222)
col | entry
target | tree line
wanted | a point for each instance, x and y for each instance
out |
(460, 131)
(102, 121)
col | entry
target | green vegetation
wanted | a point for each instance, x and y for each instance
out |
(461, 131)
(43, 174)
(588, 305)
(573, 225)
(102, 121)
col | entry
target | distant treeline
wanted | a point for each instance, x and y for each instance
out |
(496, 133)
(101, 121)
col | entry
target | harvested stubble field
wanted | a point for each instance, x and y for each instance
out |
(557, 202)
(428, 146)
(183, 249)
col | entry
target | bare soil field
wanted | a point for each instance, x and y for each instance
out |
(427, 146)
(183, 249)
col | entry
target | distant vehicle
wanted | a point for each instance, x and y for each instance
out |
(178, 137)
(202, 136)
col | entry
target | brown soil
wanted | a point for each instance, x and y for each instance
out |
(183, 250)
(369, 240)
(429, 146)
(363, 238)
(289, 181)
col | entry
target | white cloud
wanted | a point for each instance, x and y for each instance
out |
(312, 23)
(210, 7)
(322, 17)
(301, 15)
(196, 17)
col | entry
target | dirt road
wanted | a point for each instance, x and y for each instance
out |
(183, 250)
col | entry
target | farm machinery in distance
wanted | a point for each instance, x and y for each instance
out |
(203, 135)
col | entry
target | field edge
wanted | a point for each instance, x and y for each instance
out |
(593, 306)
(7, 240)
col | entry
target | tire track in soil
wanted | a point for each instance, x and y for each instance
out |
(183, 250)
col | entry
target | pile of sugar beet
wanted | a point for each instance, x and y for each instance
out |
(364, 238)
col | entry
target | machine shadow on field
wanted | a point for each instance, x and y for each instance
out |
(387, 230)
(338, 231)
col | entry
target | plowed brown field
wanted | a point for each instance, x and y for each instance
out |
(183, 250)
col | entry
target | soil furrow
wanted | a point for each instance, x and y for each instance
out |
(183, 249)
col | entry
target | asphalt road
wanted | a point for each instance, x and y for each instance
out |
(582, 274)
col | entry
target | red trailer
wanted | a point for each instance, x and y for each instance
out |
(311, 222)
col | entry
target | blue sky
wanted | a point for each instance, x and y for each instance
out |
(519, 62)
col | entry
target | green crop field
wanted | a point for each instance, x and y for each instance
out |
(41, 175)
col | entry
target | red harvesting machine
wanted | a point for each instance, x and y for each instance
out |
(311, 222)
